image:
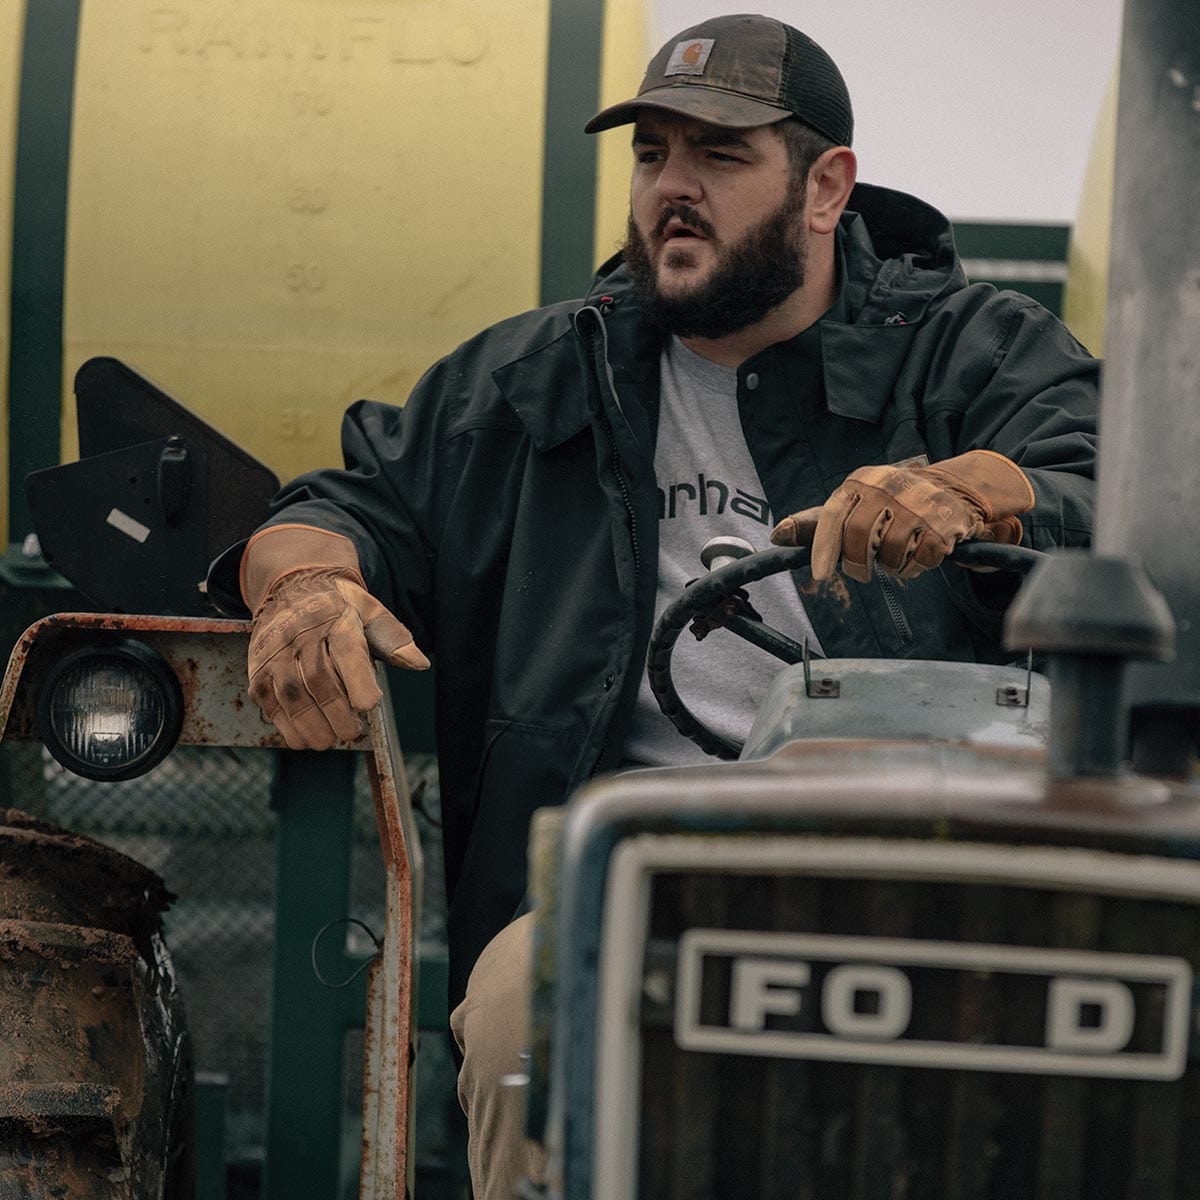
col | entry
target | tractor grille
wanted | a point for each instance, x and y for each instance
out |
(916, 1038)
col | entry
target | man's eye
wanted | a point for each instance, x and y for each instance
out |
(649, 156)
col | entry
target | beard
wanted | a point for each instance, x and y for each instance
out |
(750, 277)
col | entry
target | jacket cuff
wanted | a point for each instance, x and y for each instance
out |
(221, 582)
(281, 550)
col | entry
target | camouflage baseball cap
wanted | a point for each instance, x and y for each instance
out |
(740, 71)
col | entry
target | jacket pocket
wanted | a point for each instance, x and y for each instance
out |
(522, 768)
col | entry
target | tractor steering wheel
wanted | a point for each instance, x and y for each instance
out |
(713, 601)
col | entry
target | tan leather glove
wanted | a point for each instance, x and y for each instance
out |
(315, 629)
(909, 518)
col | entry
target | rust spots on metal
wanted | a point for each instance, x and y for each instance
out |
(48, 874)
(94, 1048)
(52, 879)
(387, 1068)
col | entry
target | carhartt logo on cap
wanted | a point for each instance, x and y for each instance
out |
(688, 58)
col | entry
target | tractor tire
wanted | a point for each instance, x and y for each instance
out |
(95, 1061)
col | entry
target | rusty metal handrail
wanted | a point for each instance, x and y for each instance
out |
(389, 1051)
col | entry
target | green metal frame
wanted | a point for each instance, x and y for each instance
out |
(1023, 257)
(308, 1023)
(306, 1067)
(569, 155)
(211, 1091)
(39, 231)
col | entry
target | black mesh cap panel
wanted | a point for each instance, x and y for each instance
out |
(812, 87)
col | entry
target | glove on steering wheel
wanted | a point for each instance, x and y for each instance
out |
(909, 518)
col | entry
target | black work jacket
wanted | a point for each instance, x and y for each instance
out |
(508, 514)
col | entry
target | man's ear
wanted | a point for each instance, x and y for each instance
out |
(830, 183)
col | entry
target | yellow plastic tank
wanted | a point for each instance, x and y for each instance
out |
(275, 207)
(1085, 295)
(10, 42)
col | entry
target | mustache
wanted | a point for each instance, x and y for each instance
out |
(689, 216)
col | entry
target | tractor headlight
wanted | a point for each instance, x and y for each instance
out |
(110, 711)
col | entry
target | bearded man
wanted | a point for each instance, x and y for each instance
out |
(774, 339)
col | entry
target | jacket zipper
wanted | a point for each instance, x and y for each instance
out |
(899, 620)
(622, 483)
(637, 564)
(627, 498)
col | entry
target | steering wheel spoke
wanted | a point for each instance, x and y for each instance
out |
(755, 631)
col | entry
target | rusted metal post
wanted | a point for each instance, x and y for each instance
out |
(1149, 493)
(389, 1053)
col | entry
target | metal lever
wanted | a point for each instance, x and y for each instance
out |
(174, 480)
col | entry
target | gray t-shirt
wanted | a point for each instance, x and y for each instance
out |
(708, 485)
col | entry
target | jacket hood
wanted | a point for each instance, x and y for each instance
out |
(903, 256)
(899, 264)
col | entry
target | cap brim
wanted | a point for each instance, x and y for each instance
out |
(710, 105)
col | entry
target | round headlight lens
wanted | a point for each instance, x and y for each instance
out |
(110, 712)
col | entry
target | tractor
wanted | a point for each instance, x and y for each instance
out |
(929, 931)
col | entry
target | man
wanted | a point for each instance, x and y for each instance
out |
(773, 340)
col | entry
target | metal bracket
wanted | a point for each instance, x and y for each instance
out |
(1012, 696)
(823, 689)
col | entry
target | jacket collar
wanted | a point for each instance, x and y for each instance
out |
(554, 413)
(861, 365)
(897, 257)
(551, 413)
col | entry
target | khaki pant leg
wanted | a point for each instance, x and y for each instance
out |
(491, 1026)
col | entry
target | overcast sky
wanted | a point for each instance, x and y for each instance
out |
(987, 110)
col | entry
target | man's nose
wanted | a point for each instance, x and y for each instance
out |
(678, 181)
